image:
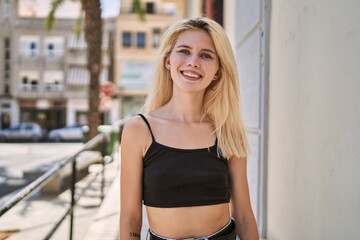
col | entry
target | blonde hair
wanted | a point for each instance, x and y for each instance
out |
(221, 102)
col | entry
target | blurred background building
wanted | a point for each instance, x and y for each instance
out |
(44, 72)
(136, 44)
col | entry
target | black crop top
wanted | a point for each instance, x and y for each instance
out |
(175, 177)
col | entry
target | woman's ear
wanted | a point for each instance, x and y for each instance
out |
(217, 74)
(167, 63)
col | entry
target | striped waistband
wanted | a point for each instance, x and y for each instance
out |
(224, 230)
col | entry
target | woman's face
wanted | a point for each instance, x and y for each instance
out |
(193, 61)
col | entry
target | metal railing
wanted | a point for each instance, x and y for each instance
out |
(159, 11)
(40, 182)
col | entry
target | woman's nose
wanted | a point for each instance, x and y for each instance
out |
(193, 62)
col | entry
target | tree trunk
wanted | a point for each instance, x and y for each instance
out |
(93, 36)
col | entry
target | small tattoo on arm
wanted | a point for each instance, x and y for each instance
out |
(135, 235)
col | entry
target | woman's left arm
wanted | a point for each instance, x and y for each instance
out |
(241, 209)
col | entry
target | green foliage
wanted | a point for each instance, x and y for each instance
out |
(139, 9)
(79, 25)
(50, 19)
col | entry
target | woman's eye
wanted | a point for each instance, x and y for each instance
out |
(184, 51)
(206, 56)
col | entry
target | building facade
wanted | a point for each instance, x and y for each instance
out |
(136, 44)
(8, 115)
(44, 76)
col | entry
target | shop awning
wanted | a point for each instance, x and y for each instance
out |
(78, 76)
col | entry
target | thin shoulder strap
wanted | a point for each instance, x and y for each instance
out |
(148, 124)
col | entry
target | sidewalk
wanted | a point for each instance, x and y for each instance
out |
(33, 218)
(105, 225)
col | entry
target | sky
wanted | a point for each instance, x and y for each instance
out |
(40, 8)
(110, 8)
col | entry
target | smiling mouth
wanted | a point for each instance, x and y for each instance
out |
(191, 75)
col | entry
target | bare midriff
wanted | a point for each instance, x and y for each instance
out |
(185, 222)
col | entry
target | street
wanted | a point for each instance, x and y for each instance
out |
(17, 157)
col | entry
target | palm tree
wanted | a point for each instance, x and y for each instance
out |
(93, 37)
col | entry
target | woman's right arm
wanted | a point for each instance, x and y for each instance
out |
(131, 148)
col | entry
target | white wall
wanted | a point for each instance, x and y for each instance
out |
(246, 24)
(314, 132)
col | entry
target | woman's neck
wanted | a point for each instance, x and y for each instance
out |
(186, 107)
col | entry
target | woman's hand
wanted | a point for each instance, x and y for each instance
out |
(241, 210)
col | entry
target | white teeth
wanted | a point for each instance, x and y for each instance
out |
(191, 75)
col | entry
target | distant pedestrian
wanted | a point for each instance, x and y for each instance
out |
(184, 158)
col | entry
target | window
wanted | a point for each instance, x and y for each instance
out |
(29, 46)
(33, 49)
(7, 54)
(7, 43)
(156, 37)
(6, 106)
(34, 85)
(52, 51)
(50, 48)
(55, 86)
(53, 81)
(150, 7)
(7, 66)
(141, 40)
(81, 117)
(6, 10)
(7, 89)
(126, 39)
(16, 127)
(27, 126)
(54, 46)
(6, 59)
(25, 79)
(29, 81)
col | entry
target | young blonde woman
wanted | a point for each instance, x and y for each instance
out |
(184, 158)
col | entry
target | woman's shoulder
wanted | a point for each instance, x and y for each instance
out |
(135, 124)
(135, 133)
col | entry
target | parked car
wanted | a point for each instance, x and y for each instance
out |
(68, 133)
(23, 131)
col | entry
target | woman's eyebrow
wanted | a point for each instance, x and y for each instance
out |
(204, 49)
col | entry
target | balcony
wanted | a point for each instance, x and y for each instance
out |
(34, 91)
(158, 11)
